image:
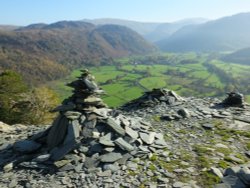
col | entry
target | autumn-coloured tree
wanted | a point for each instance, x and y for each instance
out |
(20, 105)
(41, 101)
(12, 88)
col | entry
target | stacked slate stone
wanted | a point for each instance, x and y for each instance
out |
(90, 132)
(153, 98)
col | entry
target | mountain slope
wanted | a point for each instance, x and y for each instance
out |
(152, 31)
(240, 57)
(228, 33)
(66, 45)
(8, 27)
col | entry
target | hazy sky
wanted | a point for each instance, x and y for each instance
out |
(24, 12)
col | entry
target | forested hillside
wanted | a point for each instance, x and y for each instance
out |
(43, 52)
(240, 57)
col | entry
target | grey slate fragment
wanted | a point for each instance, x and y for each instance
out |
(110, 157)
(42, 158)
(160, 142)
(177, 97)
(57, 132)
(124, 158)
(13, 183)
(92, 100)
(102, 112)
(8, 167)
(117, 128)
(78, 167)
(72, 115)
(184, 113)
(66, 107)
(147, 138)
(82, 118)
(133, 134)
(33, 165)
(216, 172)
(106, 140)
(92, 162)
(112, 167)
(87, 132)
(90, 84)
(105, 173)
(67, 167)
(143, 148)
(90, 123)
(88, 128)
(123, 144)
(73, 131)
(171, 100)
(59, 152)
(109, 149)
(26, 146)
(132, 165)
(208, 126)
(96, 148)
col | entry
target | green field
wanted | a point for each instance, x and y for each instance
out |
(127, 80)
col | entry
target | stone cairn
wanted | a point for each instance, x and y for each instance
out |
(234, 99)
(152, 98)
(88, 134)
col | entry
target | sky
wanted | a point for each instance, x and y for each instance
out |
(25, 12)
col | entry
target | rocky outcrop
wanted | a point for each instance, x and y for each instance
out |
(157, 140)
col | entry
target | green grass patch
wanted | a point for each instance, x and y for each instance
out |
(153, 82)
(120, 80)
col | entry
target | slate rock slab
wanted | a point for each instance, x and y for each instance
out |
(57, 132)
(73, 131)
(110, 157)
(123, 144)
(59, 152)
(26, 146)
(132, 133)
(106, 140)
(116, 127)
(147, 138)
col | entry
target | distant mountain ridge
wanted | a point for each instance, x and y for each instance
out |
(152, 31)
(225, 34)
(66, 45)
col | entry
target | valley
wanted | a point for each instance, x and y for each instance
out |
(189, 74)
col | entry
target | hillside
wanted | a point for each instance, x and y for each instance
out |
(65, 45)
(240, 57)
(225, 34)
(8, 27)
(152, 31)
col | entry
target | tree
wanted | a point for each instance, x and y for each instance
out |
(41, 101)
(18, 104)
(11, 89)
